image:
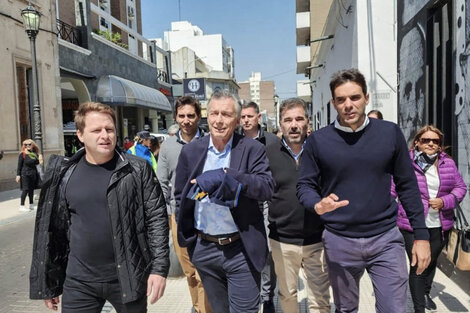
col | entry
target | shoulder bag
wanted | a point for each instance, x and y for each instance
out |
(458, 246)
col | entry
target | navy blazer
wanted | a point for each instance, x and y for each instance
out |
(249, 166)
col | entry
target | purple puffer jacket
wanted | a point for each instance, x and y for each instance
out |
(451, 183)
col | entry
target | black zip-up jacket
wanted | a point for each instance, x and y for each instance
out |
(139, 224)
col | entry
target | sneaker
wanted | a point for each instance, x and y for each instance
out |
(429, 304)
(32, 207)
(24, 209)
(268, 307)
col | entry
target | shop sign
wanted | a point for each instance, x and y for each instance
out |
(195, 87)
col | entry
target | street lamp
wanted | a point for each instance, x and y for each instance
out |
(31, 20)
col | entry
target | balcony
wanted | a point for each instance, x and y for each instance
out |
(302, 28)
(303, 90)
(162, 76)
(69, 33)
(302, 5)
(303, 59)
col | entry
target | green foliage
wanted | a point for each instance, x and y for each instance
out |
(113, 37)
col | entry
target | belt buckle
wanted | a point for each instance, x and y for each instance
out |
(220, 240)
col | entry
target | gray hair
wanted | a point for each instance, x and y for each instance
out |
(225, 94)
(173, 129)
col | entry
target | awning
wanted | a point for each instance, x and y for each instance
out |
(114, 90)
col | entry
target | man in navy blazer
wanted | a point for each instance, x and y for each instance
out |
(219, 181)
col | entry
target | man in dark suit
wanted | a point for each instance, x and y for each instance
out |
(219, 181)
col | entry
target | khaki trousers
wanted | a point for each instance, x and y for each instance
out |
(289, 260)
(196, 290)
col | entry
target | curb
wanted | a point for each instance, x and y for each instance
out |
(17, 218)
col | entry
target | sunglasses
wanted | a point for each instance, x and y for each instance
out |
(428, 140)
(27, 144)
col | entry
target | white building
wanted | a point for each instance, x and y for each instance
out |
(348, 34)
(212, 49)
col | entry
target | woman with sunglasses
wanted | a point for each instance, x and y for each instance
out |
(441, 185)
(26, 173)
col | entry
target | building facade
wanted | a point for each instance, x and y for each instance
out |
(16, 85)
(262, 92)
(212, 49)
(348, 34)
(104, 57)
(200, 63)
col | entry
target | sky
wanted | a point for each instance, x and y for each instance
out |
(261, 32)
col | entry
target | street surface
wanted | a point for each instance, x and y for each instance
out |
(15, 259)
(16, 235)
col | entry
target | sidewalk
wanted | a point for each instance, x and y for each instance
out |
(447, 295)
(9, 205)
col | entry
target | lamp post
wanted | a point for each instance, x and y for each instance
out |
(31, 20)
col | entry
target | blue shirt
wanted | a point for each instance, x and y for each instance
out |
(211, 218)
(294, 155)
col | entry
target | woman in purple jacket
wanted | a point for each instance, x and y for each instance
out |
(441, 185)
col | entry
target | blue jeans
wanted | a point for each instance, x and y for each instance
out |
(89, 297)
(383, 256)
(231, 283)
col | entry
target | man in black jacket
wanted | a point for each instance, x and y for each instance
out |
(250, 127)
(101, 227)
(295, 233)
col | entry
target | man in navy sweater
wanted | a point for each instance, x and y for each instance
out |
(345, 177)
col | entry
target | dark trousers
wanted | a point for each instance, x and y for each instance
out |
(421, 284)
(268, 279)
(231, 283)
(29, 193)
(90, 297)
(268, 274)
(383, 256)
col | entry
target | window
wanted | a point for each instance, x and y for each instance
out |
(439, 59)
(104, 23)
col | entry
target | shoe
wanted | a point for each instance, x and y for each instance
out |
(429, 304)
(32, 207)
(268, 307)
(23, 209)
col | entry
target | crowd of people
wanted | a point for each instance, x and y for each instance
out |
(246, 209)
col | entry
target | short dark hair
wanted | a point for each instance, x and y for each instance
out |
(344, 76)
(251, 104)
(292, 103)
(187, 100)
(377, 113)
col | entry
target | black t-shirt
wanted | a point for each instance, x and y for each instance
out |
(91, 256)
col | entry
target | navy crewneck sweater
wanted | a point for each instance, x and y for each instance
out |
(358, 167)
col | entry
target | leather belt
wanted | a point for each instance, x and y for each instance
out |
(222, 240)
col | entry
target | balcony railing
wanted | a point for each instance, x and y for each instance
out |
(163, 76)
(69, 33)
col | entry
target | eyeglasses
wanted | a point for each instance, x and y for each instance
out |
(27, 144)
(428, 140)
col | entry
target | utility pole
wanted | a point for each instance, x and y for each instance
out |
(179, 10)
